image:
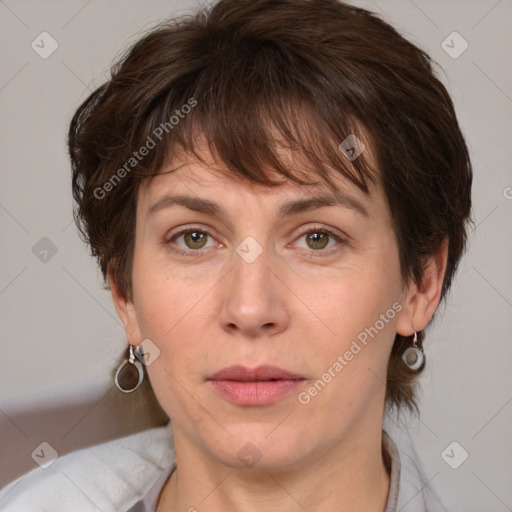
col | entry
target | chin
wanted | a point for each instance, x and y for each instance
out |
(260, 447)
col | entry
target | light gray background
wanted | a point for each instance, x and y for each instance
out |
(60, 333)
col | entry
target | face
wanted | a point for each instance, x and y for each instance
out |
(257, 277)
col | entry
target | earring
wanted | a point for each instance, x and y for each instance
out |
(130, 373)
(414, 357)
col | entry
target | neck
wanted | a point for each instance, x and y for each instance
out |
(351, 477)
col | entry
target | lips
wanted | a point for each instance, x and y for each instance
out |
(259, 386)
(261, 373)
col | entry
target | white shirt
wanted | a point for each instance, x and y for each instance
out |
(127, 475)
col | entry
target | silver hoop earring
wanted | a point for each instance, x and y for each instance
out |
(414, 357)
(130, 374)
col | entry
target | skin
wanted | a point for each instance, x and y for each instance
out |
(291, 308)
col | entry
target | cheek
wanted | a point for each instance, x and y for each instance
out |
(164, 296)
(170, 313)
(356, 312)
(345, 306)
(350, 359)
(174, 312)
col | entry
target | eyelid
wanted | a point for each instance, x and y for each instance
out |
(183, 231)
(340, 237)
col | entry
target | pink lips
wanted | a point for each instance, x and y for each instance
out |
(258, 386)
(242, 373)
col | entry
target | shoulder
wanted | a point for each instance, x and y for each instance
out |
(108, 477)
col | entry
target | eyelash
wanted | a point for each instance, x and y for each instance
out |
(198, 252)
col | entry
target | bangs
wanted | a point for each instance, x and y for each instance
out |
(260, 122)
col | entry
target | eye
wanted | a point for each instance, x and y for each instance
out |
(193, 238)
(320, 241)
(317, 240)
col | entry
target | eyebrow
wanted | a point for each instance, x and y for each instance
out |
(289, 208)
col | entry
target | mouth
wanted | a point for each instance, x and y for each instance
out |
(261, 373)
(263, 385)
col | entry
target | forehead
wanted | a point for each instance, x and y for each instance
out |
(204, 175)
(198, 188)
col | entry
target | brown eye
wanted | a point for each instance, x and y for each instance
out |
(195, 239)
(320, 241)
(317, 239)
(190, 242)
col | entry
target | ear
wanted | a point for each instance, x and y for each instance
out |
(422, 299)
(126, 311)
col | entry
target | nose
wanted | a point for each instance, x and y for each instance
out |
(255, 301)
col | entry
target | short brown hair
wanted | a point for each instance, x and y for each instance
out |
(260, 74)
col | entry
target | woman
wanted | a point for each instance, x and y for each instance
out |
(277, 193)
